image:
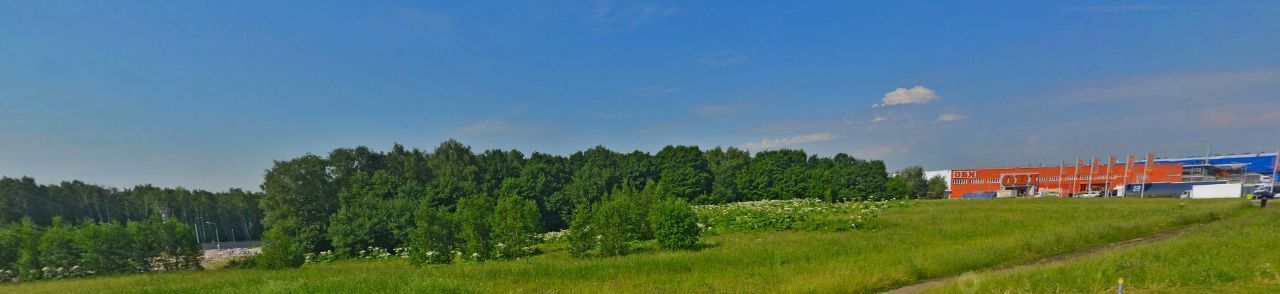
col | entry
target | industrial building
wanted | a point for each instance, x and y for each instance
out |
(1112, 178)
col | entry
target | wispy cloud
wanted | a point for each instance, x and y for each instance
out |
(427, 19)
(655, 89)
(768, 143)
(490, 127)
(718, 110)
(722, 58)
(1115, 8)
(1219, 119)
(950, 117)
(914, 95)
(1264, 7)
(609, 15)
(609, 115)
(1174, 87)
(878, 119)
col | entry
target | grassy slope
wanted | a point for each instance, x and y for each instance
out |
(1238, 255)
(930, 239)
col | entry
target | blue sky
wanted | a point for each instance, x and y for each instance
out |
(206, 95)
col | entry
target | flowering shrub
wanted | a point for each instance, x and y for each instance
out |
(8, 276)
(549, 237)
(322, 257)
(64, 272)
(780, 215)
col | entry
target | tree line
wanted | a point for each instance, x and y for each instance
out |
(356, 198)
(30, 252)
(225, 216)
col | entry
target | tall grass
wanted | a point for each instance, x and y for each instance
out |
(1238, 255)
(928, 239)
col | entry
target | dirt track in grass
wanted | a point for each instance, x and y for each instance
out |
(1047, 261)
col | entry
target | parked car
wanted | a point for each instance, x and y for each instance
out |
(1087, 195)
(1260, 192)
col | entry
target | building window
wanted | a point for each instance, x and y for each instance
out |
(975, 181)
(957, 181)
(993, 180)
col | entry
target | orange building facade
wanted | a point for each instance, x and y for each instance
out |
(1060, 180)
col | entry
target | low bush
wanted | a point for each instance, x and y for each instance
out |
(675, 225)
(279, 250)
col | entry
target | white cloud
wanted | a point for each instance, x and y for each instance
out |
(950, 117)
(767, 143)
(915, 95)
(1218, 119)
(722, 58)
(1115, 8)
(878, 119)
(656, 89)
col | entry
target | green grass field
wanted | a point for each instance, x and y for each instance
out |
(1237, 255)
(929, 239)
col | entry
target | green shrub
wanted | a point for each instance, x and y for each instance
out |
(515, 221)
(581, 236)
(107, 248)
(474, 227)
(675, 225)
(179, 249)
(58, 248)
(279, 249)
(617, 223)
(242, 262)
(29, 251)
(434, 238)
(10, 244)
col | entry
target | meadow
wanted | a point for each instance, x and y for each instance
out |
(919, 241)
(1236, 255)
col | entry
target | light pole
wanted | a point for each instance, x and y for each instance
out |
(215, 235)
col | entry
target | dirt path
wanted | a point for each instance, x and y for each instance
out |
(1051, 260)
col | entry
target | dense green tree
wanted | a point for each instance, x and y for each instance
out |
(300, 197)
(496, 166)
(637, 168)
(725, 165)
(683, 171)
(910, 183)
(937, 187)
(541, 177)
(372, 214)
(872, 178)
